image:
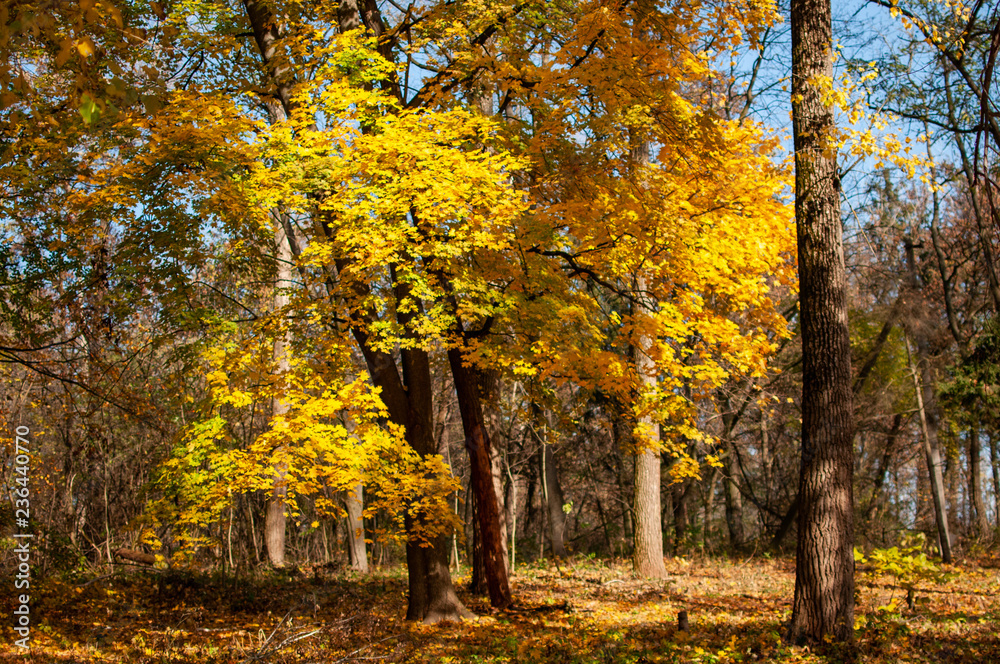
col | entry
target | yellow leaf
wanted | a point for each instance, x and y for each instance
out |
(85, 47)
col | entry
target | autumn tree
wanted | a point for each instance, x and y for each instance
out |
(824, 568)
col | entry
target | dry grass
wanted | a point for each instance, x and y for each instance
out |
(581, 611)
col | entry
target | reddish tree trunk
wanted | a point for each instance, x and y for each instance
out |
(477, 442)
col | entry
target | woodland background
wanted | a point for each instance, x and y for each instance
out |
(470, 285)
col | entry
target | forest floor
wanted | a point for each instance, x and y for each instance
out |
(583, 610)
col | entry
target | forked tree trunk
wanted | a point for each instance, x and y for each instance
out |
(824, 565)
(408, 398)
(431, 594)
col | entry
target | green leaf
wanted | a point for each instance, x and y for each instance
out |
(88, 108)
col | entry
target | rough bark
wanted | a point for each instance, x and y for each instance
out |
(647, 557)
(647, 552)
(823, 605)
(489, 386)
(477, 581)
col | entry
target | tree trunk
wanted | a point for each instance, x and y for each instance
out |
(730, 485)
(681, 492)
(982, 525)
(477, 578)
(274, 522)
(408, 398)
(995, 463)
(883, 467)
(477, 442)
(647, 551)
(734, 502)
(785, 525)
(553, 494)
(354, 502)
(708, 490)
(647, 556)
(534, 522)
(621, 431)
(824, 566)
(478, 583)
(667, 514)
(932, 453)
(489, 384)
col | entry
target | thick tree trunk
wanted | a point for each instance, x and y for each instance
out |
(478, 583)
(356, 552)
(647, 557)
(489, 384)
(647, 552)
(824, 566)
(431, 594)
(408, 399)
(477, 443)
